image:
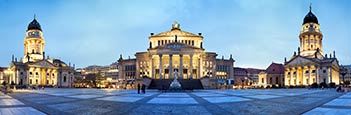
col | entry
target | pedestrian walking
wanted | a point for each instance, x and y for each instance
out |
(138, 86)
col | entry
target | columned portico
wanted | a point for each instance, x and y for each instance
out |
(312, 66)
(180, 51)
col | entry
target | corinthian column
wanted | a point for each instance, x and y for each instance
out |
(181, 66)
(191, 66)
(152, 68)
(170, 74)
(160, 68)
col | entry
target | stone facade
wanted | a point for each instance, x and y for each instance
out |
(180, 51)
(34, 68)
(273, 75)
(308, 65)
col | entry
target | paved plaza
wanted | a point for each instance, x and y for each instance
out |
(205, 102)
(11, 106)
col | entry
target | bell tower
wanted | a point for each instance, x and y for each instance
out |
(310, 36)
(34, 43)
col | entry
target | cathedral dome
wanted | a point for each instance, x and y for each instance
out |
(34, 25)
(310, 17)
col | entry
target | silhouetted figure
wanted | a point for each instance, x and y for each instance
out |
(338, 89)
(163, 88)
(138, 86)
(143, 88)
(5, 90)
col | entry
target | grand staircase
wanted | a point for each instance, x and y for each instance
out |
(187, 84)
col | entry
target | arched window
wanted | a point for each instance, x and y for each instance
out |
(158, 42)
(270, 80)
(64, 79)
(276, 80)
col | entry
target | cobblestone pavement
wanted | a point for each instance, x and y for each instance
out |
(204, 102)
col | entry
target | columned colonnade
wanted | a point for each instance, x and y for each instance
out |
(307, 75)
(184, 68)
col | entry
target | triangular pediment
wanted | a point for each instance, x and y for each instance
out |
(43, 63)
(299, 60)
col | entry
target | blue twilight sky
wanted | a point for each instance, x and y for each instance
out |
(96, 32)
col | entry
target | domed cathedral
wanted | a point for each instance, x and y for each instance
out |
(309, 65)
(177, 54)
(36, 70)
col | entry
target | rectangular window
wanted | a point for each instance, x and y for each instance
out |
(157, 71)
(194, 71)
(289, 82)
(185, 71)
(306, 81)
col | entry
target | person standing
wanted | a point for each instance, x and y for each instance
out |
(138, 86)
(143, 88)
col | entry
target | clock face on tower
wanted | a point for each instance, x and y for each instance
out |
(33, 34)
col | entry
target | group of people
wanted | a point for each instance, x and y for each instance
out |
(142, 88)
(339, 89)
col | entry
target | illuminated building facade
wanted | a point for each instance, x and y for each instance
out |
(309, 65)
(34, 69)
(272, 76)
(181, 51)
